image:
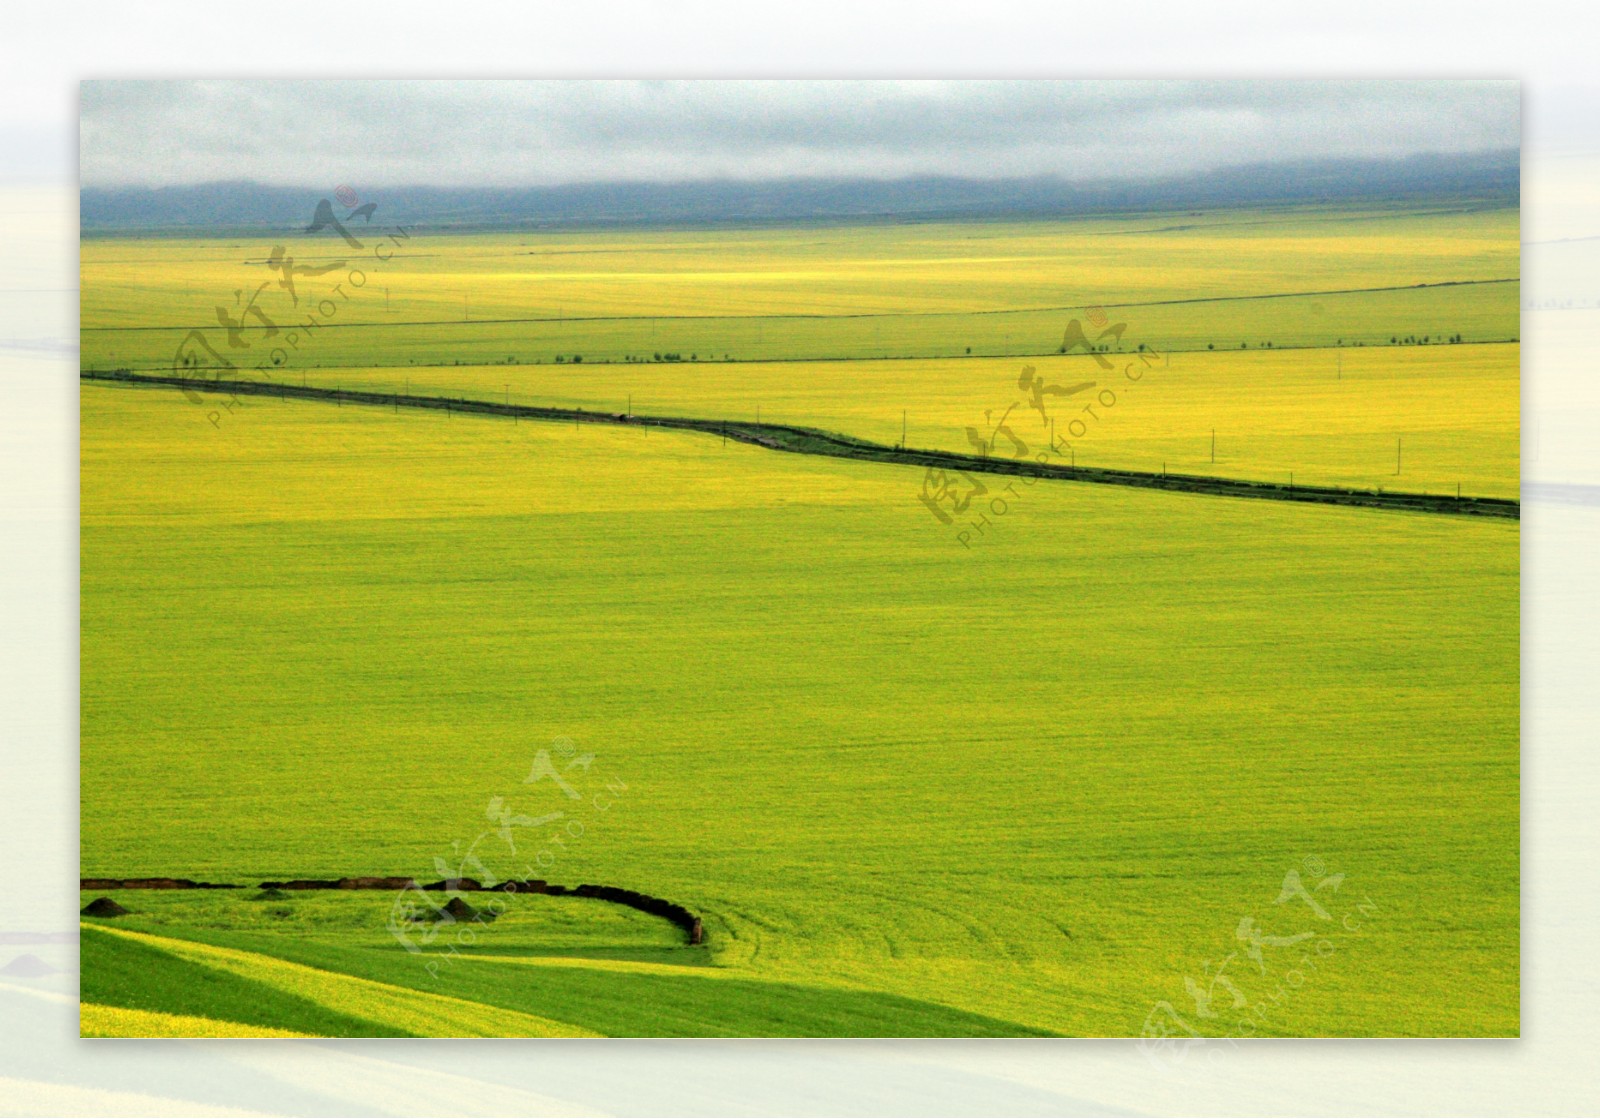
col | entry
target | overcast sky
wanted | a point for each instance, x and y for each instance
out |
(525, 133)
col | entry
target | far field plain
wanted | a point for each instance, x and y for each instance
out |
(921, 330)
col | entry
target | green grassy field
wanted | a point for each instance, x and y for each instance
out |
(912, 788)
(1274, 330)
(1423, 419)
(915, 269)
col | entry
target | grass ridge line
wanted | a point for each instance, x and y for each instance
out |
(813, 441)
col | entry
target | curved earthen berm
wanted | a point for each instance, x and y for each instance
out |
(633, 899)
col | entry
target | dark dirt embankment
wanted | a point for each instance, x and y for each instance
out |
(812, 441)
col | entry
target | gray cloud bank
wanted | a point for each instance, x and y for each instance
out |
(519, 134)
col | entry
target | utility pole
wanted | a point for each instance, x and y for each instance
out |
(902, 430)
(630, 405)
(1213, 446)
(1397, 456)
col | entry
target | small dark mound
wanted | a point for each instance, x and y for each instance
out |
(103, 907)
(270, 894)
(461, 911)
(28, 967)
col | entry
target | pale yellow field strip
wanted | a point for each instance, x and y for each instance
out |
(417, 1012)
(95, 1020)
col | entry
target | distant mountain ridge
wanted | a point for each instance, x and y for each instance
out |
(1490, 178)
